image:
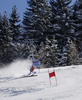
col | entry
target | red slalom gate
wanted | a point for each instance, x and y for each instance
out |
(52, 74)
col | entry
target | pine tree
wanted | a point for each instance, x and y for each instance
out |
(6, 39)
(63, 24)
(36, 20)
(0, 36)
(73, 55)
(0, 29)
(0, 22)
(78, 18)
(78, 24)
(61, 20)
(49, 53)
(15, 24)
(64, 56)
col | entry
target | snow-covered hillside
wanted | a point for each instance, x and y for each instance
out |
(12, 87)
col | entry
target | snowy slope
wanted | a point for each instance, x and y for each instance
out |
(12, 87)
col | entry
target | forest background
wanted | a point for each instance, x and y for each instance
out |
(50, 32)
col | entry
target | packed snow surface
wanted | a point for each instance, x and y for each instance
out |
(12, 87)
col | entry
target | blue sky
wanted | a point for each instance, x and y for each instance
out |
(21, 6)
(8, 4)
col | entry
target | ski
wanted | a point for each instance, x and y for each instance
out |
(28, 76)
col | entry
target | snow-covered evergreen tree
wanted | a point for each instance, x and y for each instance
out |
(0, 22)
(36, 20)
(5, 38)
(49, 53)
(0, 36)
(78, 24)
(15, 24)
(73, 55)
(64, 56)
(78, 19)
(61, 20)
(0, 28)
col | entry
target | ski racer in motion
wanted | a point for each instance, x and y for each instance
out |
(32, 72)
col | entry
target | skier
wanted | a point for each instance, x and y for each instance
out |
(32, 70)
